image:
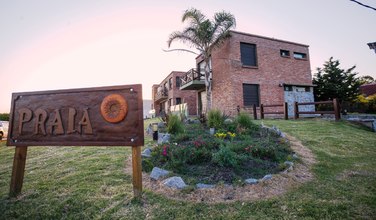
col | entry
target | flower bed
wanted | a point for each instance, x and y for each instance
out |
(237, 151)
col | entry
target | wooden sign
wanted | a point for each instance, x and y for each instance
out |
(107, 116)
(104, 116)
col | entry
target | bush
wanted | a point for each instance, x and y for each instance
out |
(225, 157)
(174, 125)
(4, 117)
(215, 119)
(244, 120)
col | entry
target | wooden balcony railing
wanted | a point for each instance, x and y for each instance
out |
(161, 95)
(190, 76)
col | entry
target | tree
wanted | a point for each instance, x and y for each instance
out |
(366, 79)
(204, 35)
(334, 82)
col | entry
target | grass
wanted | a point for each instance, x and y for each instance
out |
(90, 183)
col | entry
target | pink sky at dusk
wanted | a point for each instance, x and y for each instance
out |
(46, 45)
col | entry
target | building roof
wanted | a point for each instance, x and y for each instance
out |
(368, 89)
(269, 38)
(263, 37)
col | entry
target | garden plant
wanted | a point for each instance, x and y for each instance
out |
(238, 150)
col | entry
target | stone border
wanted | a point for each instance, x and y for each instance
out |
(278, 185)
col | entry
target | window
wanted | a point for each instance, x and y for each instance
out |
(178, 82)
(300, 55)
(170, 83)
(178, 101)
(285, 53)
(251, 94)
(248, 54)
(288, 88)
(165, 86)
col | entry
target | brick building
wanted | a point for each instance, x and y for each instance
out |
(249, 69)
(168, 94)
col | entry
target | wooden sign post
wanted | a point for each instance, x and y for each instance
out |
(104, 116)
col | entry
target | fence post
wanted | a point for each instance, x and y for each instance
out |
(254, 112)
(285, 111)
(296, 110)
(337, 110)
(262, 111)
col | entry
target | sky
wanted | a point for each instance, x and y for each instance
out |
(50, 45)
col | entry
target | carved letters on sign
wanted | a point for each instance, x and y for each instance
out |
(54, 126)
(102, 116)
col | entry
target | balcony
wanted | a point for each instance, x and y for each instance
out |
(192, 80)
(161, 95)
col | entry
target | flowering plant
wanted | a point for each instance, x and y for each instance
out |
(222, 135)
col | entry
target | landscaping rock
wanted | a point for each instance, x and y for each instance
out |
(146, 153)
(289, 163)
(251, 181)
(161, 125)
(229, 121)
(175, 182)
(163, 138)
(204, 186)
(283, 135)
(149, 130)
(196, 121)
(274, 128)
(267, 177)
(157, 173)
(295, 156)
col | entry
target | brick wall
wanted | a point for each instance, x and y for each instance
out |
(272, 71)
(187, 96)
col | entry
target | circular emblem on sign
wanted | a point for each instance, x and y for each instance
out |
(114, 108)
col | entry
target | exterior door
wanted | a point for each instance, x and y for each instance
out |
(251, 95)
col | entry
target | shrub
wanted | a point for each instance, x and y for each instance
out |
(215, 119)
(244, 121)
(174, 125)
(225, 157)
(147, 165)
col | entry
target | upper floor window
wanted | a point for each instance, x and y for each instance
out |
(248, 54)
(178, 81)
(300, 55)
(170, 83)
(285, 53)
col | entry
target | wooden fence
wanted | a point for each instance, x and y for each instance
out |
(284, 112)
(336, 109)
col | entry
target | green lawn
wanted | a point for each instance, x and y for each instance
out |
(90, 183)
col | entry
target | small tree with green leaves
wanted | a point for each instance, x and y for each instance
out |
(333, 82)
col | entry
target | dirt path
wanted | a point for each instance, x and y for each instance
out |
(279, 184)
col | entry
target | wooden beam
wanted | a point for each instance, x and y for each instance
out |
(137, 172)
(254, 112)
(337, 109)
(18, 171)
(296, 110)
(286, 110)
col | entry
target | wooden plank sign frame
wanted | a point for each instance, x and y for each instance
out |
(102, 116)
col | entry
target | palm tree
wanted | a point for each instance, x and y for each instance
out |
(204, 35)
